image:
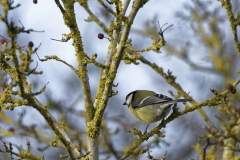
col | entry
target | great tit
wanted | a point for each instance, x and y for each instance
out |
(149, 106)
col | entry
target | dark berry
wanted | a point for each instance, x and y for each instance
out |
(35, 1)
(3, 41)
(30, 44)
(11, 129)
(231, 89)
(234, 91)
(100, 35)
(237, 110)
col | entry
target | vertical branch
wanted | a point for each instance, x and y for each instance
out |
(109, 74)
(228, 153)
(234, 22)
(70, 20)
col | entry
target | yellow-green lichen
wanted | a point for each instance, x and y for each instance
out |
(28, 155)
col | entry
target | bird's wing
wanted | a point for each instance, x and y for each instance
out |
(158, 98)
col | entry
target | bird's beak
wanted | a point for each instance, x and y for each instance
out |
(124, 103)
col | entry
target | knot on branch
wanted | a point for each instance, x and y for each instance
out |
(139, 151)
(93, 61)
(160, 42)
(41, 91)
(136, 132)
(113, 93)
(128, 59)
(65, 38)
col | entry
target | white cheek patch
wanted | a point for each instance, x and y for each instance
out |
(129, 99)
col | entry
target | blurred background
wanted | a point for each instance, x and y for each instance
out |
(200, 52)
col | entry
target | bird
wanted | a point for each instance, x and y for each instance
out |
(149, 106)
